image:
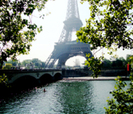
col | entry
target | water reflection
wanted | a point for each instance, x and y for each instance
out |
(100, 92)
(76, 97)
(71, 97)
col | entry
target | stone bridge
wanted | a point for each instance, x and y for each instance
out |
(32, 76)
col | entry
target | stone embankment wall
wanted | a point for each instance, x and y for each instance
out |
(87, 72)
(113, 72)
(76, 72)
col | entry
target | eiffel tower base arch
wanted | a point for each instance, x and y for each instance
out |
(63, 51)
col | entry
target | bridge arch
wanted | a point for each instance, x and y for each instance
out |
(75, 60)
(63, 60)
(19, 75)
(25, 81)
(45, 78)
(57, 76)
(66, 50)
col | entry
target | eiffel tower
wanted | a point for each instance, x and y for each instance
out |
(65, 48)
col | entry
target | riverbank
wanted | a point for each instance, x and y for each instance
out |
(102, 78)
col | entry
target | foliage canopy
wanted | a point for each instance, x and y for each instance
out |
(16, 33)
(109, 24)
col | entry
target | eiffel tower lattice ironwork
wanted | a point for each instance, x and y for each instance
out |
(65, 48)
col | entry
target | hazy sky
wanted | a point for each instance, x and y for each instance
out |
(52, 27)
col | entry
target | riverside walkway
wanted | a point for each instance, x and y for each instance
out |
(94, 79)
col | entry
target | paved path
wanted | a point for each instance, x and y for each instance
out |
(92, 79)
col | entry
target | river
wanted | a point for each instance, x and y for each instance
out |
(62, 97)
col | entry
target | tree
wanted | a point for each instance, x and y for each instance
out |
(13, 62)
(7, 66)
(117, 63)
(123, 98)
(3, 80)
(110, 24)
(36, 62)
(43, 65)
(106, 63)
(17, 33)
(124, 62)
(25, 62)
(128, 60)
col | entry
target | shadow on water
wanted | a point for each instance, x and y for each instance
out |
(19, 100)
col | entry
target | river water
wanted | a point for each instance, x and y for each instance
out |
(62, 97)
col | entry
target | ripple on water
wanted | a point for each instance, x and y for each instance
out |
(63, 97)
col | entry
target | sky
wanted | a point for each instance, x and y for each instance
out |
(55, 14)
